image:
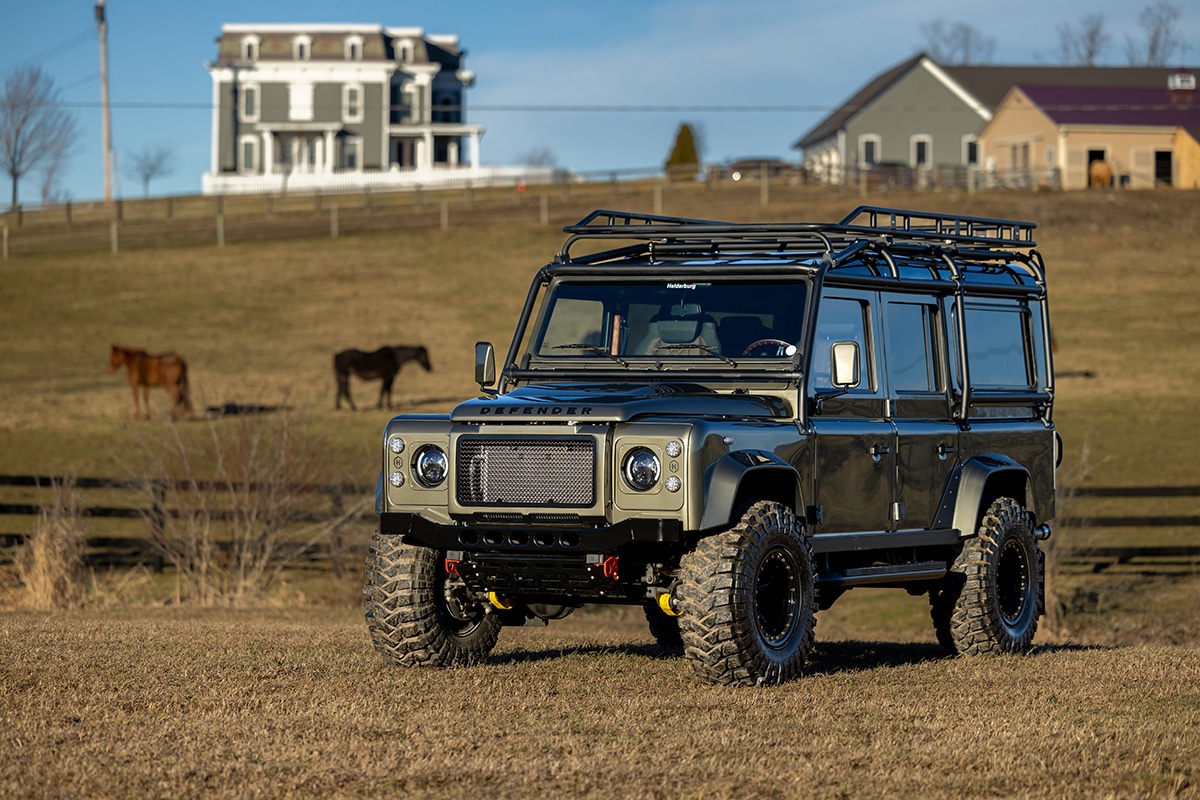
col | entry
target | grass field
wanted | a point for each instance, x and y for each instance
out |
(133, 697)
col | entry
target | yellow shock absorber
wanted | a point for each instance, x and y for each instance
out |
(502, 603)
(664, 602)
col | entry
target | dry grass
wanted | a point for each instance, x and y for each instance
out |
(51, 564)
(296, 704)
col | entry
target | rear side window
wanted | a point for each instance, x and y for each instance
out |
(911, 348)
(997, 355)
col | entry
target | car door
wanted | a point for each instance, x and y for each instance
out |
(855, 443)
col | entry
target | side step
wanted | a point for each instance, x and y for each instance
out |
(888, 573)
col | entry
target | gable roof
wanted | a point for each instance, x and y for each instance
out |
(987, 85)
(1108, 105)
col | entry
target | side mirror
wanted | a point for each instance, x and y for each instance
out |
(485, 364)
(843, 357)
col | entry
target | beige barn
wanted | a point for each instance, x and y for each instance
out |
(1050, 135)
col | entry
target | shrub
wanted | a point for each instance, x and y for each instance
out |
(50, 564)
(232, 508)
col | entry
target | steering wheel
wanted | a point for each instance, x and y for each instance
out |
(778, 343)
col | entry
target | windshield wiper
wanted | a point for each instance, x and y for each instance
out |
(712, 351)
(600, 351)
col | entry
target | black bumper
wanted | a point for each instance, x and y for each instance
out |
(529, 538)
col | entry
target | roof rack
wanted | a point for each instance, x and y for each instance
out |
(864, 221)
(955, 227)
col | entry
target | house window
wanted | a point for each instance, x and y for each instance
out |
(970, 151)
(354, 49)
(404, 52)
(352, 153)
(248, 105)
(248, 154)
(920, 150)
(250, 48)
(352, 105)
(302, 48)
(300, 102)
(868, 149)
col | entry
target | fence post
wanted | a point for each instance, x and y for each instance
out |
(545, 212)
(764, 191)
(658, 198)
(68, 213)
(862, 181)
(445, 213)
(114, 235)
(338, 545)
(220, 230)
(5, 241)
(333, 222)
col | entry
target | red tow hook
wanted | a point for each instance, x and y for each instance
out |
(609, 567)
(452, 568)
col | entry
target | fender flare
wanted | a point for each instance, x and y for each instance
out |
(967, 486)
(724, 478)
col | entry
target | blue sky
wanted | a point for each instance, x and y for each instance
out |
(804, 55)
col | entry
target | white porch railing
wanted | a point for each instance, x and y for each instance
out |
(328, 183)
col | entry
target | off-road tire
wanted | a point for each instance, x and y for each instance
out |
(748, 600)
(408, 615)
(991, 600)
(664, 628)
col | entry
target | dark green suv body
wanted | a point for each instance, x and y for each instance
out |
(731, 425)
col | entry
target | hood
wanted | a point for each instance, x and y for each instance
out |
(615, 403)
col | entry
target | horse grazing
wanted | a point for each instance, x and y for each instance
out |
(383, 364)
(167, 370)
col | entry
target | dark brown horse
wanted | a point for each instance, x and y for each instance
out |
(167, 370)
(383, 364)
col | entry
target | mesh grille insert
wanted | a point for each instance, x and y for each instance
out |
(526, 471)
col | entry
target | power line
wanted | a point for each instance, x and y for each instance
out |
(51, 52)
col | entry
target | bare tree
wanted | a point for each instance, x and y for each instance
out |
(541, 156)
(1081, 45)
(152, 161)
(957, 44)
(34, 127)
(1163, 41)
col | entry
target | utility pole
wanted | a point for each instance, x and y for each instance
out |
(107, 123)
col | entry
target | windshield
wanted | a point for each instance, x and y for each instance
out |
(668, 319)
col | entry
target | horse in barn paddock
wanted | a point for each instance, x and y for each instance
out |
(383, 364)
(167, 370)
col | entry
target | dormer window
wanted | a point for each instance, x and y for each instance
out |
(354, 48)
(404, 52)
(302, 48)
(1181, 81)
(250, 48)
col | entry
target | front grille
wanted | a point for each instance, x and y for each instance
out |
(526, 471)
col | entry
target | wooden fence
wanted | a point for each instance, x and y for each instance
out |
(146, 501)
(120, 549)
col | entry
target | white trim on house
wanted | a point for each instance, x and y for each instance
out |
(962, 94)
(302, 48)
(249, 47)
(255, 161)
(295, 27)
(352, 48)
(249, 89)
(351, 144)
(300, 101)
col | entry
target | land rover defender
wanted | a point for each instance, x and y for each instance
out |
(731, 425)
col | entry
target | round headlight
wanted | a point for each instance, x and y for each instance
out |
(430, 466)
(673, 484)
(674, 449)
(641, 469)
(396, 445)
(396, 479)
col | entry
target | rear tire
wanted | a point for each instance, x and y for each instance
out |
(417, 614)
(748, 599)
(992, 598)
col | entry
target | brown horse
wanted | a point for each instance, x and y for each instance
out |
(383, 364)
(167, 370)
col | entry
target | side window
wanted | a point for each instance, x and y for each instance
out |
(842, 320)
(996, 347)
(912, 343)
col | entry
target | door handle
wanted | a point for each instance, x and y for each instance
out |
(878, 450)
(944, 450)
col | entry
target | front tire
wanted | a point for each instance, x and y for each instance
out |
(748, 600)
(418, 615)
(992, 598)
